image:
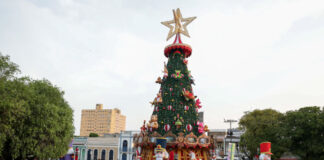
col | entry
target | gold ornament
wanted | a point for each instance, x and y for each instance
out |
(178, 27)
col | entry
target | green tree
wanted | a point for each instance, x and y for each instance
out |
(175, 110)
(93, 135)
(261, 126)
(304, 130)
(7, 68)
(35, 120)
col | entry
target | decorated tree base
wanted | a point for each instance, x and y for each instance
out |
(182, 154)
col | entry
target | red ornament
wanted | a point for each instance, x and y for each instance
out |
(156, 108)
(171, 89)
(163, 108)
(185, 61)
(173, 109)
(198, 104)
(169, 107)
(166, 127)
(188, 127)
(186, 108)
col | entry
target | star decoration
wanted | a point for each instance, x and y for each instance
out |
(179, 27)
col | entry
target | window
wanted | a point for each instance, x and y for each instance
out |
(95, 154)
(111, 155)
(124, 156)
(83, 154)
(89, 154)
(103, 154)
(124, 146)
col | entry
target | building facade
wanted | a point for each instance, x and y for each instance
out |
(97, 148)
(222, 138)
(102, 121)
(219, 141)
(126, 147)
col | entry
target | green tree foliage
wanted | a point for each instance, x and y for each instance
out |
(261, 126)
(178, 78)
(7, 68)
(93, 135)
(35, 120)
(304, 131)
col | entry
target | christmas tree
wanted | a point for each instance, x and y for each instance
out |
(175, 114)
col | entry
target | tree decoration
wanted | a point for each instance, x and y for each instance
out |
(143, 128)
(177, 74)
(177, 52)
(186, 108)
(178, 124)
(159, 80)
(157, 99)
(198, 103)
(206, 128)
(156, 108)
(188, 127)
(169, 107)
(200, 127)
(187, 94)
(185, 61)
(166, 127)
(153, 122)
(171, 89)
(165, 71)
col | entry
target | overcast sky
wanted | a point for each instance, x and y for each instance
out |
(246, 54)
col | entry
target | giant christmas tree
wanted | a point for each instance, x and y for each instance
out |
(175, 114)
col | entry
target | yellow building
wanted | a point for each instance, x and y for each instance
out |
(102, 121)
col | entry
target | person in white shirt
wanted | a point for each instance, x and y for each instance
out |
(192, 155)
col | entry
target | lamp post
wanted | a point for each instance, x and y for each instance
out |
(230, 121)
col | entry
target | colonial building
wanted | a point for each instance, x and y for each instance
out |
(126, 148)
(97, 148)
(102, 121)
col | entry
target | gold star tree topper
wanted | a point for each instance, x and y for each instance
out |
(180, 24)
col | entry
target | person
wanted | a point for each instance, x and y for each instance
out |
(192, 155)
(265, 150)
(264, 156)
(160, 153)
(171, 154)
(213, 157)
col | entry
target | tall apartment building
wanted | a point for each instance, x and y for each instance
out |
(102, 121)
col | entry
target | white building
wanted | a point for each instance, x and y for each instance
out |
(126, 149)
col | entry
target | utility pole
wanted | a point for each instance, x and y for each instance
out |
(230, 121)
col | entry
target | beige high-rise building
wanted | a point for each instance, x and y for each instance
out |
(101, 121)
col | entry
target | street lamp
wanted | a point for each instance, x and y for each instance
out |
(230, 121)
